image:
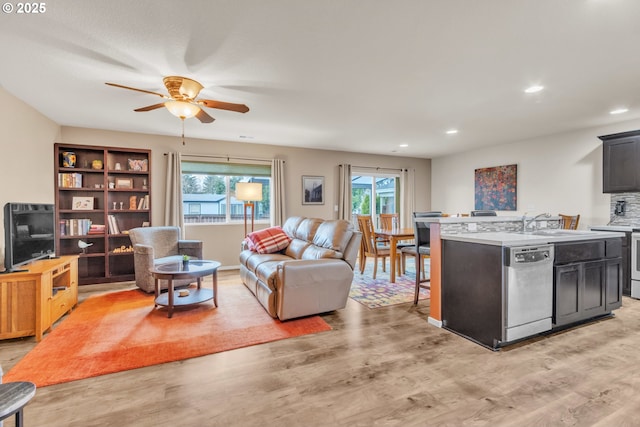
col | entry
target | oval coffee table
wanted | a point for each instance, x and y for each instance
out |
(193, 269)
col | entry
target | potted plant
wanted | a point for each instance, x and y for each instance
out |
(185, 260)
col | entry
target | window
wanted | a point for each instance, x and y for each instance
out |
(374, 194)
(208, 191)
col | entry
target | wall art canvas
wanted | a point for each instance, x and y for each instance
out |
(496, 188)
(313, 190)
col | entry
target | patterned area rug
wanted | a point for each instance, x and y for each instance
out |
(380, 292)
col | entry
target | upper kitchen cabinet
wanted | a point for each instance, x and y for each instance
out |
(621, 162)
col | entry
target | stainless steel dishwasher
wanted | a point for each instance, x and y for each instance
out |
(528, 291)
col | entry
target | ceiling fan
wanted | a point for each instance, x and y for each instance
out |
(182, 100)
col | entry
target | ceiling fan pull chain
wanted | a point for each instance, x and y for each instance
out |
(182, 120)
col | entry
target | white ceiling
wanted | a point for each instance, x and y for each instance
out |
(354, 75)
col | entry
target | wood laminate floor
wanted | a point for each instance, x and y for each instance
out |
(381, 367)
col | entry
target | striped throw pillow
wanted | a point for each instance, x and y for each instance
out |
(268, 241)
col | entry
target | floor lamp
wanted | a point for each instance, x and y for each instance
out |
(249, 192)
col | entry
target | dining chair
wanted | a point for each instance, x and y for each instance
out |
(386, 220)
(569, 222)
(421, 250)
(386, 223)
(371, 248)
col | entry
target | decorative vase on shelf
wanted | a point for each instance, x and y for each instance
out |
(68, 159)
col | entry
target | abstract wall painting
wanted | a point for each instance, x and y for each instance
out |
(496, 188)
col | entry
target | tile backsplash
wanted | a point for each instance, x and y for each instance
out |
(632, 209)
(493, 226)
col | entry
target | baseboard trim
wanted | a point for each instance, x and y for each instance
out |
(435, 322)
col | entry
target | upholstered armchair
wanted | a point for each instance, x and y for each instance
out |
(158, 245)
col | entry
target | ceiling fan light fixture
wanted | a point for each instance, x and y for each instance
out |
(181, 109)
(190, 88)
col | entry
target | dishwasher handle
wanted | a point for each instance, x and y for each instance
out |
(523, 255)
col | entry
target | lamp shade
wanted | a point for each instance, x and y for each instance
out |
(182, 109)
(249, 191)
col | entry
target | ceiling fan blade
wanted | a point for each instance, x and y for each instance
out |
(139, 90)
(240, 108)
(150, 107)
(204, 117)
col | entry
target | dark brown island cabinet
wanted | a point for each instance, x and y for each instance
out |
(482, 291)
(588, 280)
(100, 193)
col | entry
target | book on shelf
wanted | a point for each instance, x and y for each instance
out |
(146, 202)
(141, 203)
(96, 229)
(113, 225)
(70, 180)
(74, 227)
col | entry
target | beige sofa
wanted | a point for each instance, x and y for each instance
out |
(312, 275)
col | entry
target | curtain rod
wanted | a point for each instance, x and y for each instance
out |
(228, 158)
(378, 168)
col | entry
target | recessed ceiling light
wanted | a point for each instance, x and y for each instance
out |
(534, 89)
(404, 145)
(619, 111)
(452, 131)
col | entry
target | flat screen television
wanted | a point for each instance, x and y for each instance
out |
(29, 233)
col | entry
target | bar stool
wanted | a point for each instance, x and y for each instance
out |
(421, 249)
(13, 397)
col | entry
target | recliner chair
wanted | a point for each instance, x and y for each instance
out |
(157, 245)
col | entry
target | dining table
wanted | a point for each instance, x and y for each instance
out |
(394, 235)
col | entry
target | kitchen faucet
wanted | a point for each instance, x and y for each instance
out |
(525, 223)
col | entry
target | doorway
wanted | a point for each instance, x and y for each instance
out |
(373, 194)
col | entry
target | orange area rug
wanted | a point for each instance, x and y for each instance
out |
(122, 330)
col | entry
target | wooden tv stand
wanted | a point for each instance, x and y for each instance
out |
(33, 300)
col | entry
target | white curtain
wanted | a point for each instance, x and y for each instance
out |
(407, 197)
(278, 214)
(173, 200)
(344, 192)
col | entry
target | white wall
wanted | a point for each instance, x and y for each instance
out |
(222, 242)
(556, 174)
(26, 174)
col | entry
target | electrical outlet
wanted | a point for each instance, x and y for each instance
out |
(472, 226)
(542, 224)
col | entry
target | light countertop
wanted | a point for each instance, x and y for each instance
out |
(510, 239)
(623, 228)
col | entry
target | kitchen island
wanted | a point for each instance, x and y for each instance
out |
(499, 287)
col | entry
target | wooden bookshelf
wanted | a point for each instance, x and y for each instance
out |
(106, 184)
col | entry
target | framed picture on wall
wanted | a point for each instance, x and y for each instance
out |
(313, 190)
